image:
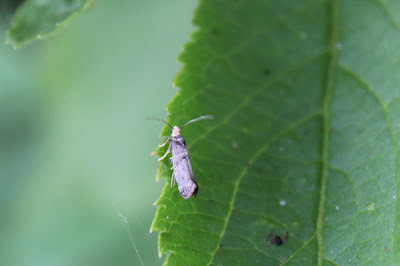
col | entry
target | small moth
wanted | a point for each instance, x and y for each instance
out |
(183, 173)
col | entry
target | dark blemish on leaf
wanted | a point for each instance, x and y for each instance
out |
(185, 245)
(267, 71)
(277, 240)
(216, 32)
(221, 246)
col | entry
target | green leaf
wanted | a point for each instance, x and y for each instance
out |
(306, 137)
(7, 8)
(37, 19)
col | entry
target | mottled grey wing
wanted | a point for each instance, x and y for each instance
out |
(182, 168)
(184, 177)
(192, 177)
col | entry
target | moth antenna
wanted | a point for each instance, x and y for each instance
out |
(198, 119)
(153, 118)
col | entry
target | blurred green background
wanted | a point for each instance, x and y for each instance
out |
(74, 142)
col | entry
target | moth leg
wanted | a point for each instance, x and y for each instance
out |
(173, 179)
(165, 142)
(168, 151)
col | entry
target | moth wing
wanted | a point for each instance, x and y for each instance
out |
(192, 177)
(189, 165)
(183, 171)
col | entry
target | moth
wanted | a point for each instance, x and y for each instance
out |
(182, 169)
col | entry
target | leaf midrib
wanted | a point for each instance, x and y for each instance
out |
(331, 73)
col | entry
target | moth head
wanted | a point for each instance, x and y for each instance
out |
(176, 131)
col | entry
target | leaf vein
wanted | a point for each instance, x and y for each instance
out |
(332, 64)
(251, 161)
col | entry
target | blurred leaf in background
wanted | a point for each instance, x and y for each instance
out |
(74, 145)
(7, 10)
(36, 19)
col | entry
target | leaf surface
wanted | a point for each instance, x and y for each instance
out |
(36, 19)
(306, 100)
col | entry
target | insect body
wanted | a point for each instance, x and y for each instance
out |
(183, 173)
